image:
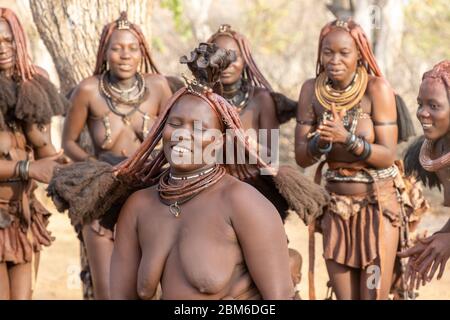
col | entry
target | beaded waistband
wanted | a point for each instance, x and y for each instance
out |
(363, 176)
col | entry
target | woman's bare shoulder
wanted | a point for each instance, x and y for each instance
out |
(155, 79)
(378, 85)
(243, 198)
(140, 201)
(89, 83)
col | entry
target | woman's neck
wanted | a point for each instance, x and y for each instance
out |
(230, 90)
(344, 84)
(7, 73)
(122, 83)
(442, 145)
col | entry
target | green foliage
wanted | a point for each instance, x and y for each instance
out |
(263, 20)
(428, 28)
(158, 44)
(181, 25)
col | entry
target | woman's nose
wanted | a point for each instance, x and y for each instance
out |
(423, 113)
(125, 54)
(334, 59)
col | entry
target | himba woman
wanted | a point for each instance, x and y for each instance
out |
(244, 86)
(119, 103)
(259, 107)
(433, 152)
(208, 235)
(348, 114)
(27, 102)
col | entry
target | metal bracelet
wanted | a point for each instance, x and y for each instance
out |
(313, 148)
(367, 151)
(356, 145)
(24, 169)
(350, 141)
(326, 149)
(27, 170)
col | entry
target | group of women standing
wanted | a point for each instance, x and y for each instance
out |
(153, 227)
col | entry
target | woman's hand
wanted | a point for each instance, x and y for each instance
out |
(333, 130)
(413, 278)
(42, 169)
(426, 257)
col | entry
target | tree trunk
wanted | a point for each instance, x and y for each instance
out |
(71, 31)
(367, 16)
(341, 9)
(198, 14)
(390, 35)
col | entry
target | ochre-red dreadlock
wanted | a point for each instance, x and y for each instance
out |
(147, 62)
(362, 43)
(440, 72)
(251, 70)
(24, 65)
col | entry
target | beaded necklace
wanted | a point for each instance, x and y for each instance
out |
(341, 99)
(174, 194)
(432, 165)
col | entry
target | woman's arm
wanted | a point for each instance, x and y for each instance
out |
(40, 170)
(267, 117)
(384, 117)
(8, 169)
(167, 93)
(263, 241)
(126, 254)
(75, 121)
(40, 138)
(306, 123)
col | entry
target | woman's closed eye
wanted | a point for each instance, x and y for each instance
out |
(174, 123)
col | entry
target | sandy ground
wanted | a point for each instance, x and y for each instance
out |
(59, 268)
